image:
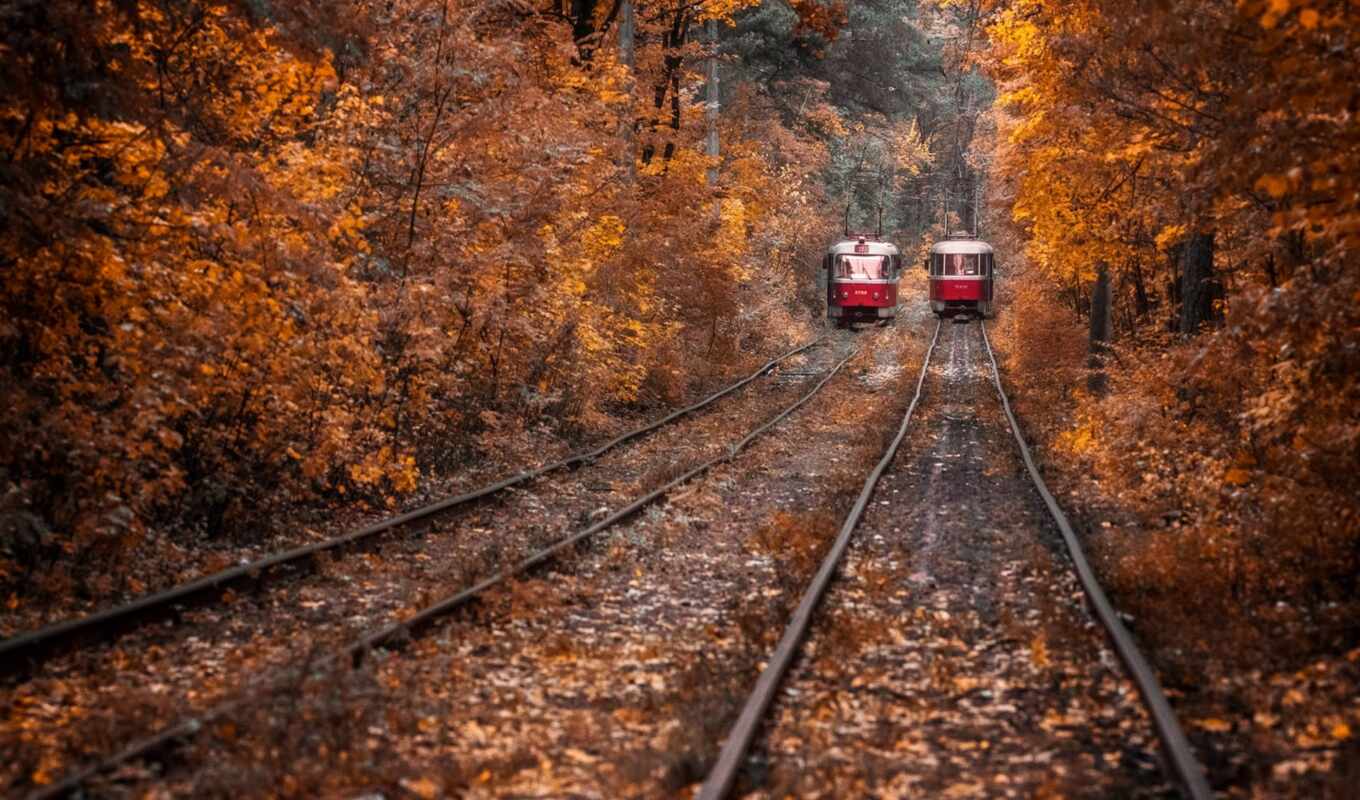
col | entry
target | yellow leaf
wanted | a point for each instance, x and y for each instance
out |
(1308, 18)
(581, 756)
(423, 788)
(1341, 731)
(1214, 725)
(1273, 185)
(1237, 477)
(1038, 650)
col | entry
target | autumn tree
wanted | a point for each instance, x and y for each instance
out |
(1204, 153)
(261, 258)
(167, 295)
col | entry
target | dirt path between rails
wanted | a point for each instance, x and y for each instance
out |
(611, 675)
(953, 658)
(88, 704)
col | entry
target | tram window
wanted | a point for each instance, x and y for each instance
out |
(936, 264)
(961, 264)
(863, 267)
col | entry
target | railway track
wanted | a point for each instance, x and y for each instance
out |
(398, 633)
(24, 652)
(1180, 760)
(1187, 770)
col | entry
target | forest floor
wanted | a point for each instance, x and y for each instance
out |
(953, 657)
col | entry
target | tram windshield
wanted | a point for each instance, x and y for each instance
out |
(862, 267)
(961, 264)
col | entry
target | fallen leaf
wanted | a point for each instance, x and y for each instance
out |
(423, 788)
(581, 756)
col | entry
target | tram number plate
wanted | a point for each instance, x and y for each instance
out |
(861, 248)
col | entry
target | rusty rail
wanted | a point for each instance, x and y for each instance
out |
(724, 772)
(190, 726)
(25, 650)
(1186, 769)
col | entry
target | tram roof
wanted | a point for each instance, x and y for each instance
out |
(877, 247)
(951, 246)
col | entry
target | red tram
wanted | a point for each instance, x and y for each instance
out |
(861, 280)
(962, 277)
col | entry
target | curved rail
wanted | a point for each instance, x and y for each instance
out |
(398, 631)
(1186, 767)
(721, 777)
(23, 650)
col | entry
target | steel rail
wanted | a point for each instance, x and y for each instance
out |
(1186, 767)
(21, 651)
(724, 772)
(397, 631)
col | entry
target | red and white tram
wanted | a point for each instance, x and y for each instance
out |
(962, 277)
(861, 280)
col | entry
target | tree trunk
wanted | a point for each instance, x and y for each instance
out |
(1140, 296)
(627, 33)
(672, 41)
(1100, 331)
(1173, 286)
(711, 106)
(1199, 288)
(627, 57)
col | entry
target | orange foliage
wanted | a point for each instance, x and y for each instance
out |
(257, 257)
(1131, 130)
(824, 19)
